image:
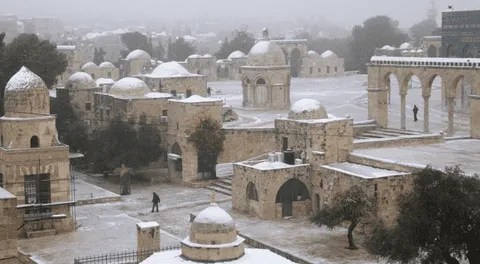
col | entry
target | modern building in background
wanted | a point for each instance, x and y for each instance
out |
(460, 34)
(8, 24)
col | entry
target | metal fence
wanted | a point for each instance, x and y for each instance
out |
(127, 257)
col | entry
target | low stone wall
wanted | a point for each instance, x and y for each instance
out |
(242, 144)
(99, 200)
(384, 163)
(402, 141)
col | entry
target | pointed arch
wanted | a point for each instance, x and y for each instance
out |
(252, 193)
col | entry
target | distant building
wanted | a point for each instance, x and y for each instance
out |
(8, 24)
(50, 28)
(460, 34)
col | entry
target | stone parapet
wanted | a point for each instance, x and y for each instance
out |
(401, 141)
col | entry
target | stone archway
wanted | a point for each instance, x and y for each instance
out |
(467, 51)
(178, 161)
(296, 61)
(432, 51)
(451, 50)
(291, 191)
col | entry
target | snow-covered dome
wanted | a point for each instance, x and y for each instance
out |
(313, 53)
(89, 66)
(307, 109)
(106, 64)
(207, 56)
(406, 46)
(266, 53)
(419, 50)
(194, 56)
(138, 54)
(129, 86)
(387, 47)
(26, 94)
(328, 54)
(413, 51)
(159, 62)
(170, 69)
(237, 55)
(80, 80)
(104, 81)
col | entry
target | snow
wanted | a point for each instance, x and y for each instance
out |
(106, 64)
(194, 56)
(262, 47)
(93, 35)
(189, 38)
(419, 50)
(158, 95)
(406, 45)
(145, 225)
(307, 105)
(314, 121)
(207, 56)
(197, 99)
(4, 118)
(214, 215)
(101, 81)
(171, 69)
(267, 165)
(6, 195)
(313, 53)
(380, 59)
(221, 61)
(25, 79)
(129, 86)
(138, 55)
(362, 171)
(65, 47)
(387, 47)
(327, 54)
(89, 65)
(236, 55)
(252, 256)
(235, 243)
(81, 77)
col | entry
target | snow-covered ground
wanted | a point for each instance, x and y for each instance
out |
(341, 96)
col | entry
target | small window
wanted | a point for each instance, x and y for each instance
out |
(107, 112)
(164, 112)
(88, 106)
(261, 81)
(335, 69)
(109, 74)
(177, 125)
(311, 70)
(34, 142)
(328, 69)
(189, 93)
(319, 69)
(173, 92)
(1, 180)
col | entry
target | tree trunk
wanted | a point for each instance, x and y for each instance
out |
(449, 259)
(351, 244)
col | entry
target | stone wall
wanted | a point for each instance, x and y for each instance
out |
(267, 183)
(8, 228)
(82, 101)
(203, 66)
(243, 144)
(179, 85)
(402, 141)
(316, 66)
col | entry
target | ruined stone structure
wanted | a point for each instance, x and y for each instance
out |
(451, 70)
(34, 165)
(173, 78)
(202, 65)
(230, 68)
(183, 116)
(8, 227)
(328, 64)
(266, 77)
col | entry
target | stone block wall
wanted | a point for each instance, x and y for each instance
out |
(243, 144)
(267, 184)
(402, 141)
(194, 84)
(8, 228)
(203, 66)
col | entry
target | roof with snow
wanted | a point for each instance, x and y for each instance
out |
(106, 64)
(312, 109)
(89, 65)
(406, 45)
(189, 38)
(194, 56)
(25, 79)
(129, 86)
(214, 215)
(66, 47)
(171, 69)
(237, 55)
(387, 47)
(197, 99)
(207, 56)
(362, 171)
(80, 80)
(252, 256)
(426, 61)
(268, 165)
(266, 53)
(138, 54)
(313, 53)
(101, 81)
(328, 54)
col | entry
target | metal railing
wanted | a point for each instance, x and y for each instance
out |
(127, 257)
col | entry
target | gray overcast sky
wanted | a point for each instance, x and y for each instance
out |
(341, 12)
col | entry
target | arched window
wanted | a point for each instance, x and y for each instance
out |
(451, 50)
(252, 193)
(292, 190)
(177, 150)
(432, 51)
(467, 51)
(1, 180)
(321, 184)
(34, 142)
(261, 81)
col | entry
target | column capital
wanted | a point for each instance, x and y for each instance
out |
(426, 96)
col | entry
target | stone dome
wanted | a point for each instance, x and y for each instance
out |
(138, 54)
(207, 56)
(194, 56)
(26, 94)
(129, 86)
(80, 80)
(170, 69)
(266, 53)
(328, 54)
(106, 64)
(406, 46)
(313, 53)
(307, 109)
(237, 55)
(89, 66)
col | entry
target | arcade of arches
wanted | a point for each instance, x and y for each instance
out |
(451, 71)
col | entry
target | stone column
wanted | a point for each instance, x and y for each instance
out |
(403, 106)
(148, 238)
(451, 102)
(426, 114)
(475, 116)
(378, 106)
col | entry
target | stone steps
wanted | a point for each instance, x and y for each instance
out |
(219, 190)
(222, 185)
(375, 135)
(41, 233)
(386, 133)
(380, 133)
(400, 131)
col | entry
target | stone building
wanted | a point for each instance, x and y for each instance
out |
(266, 77)
(104, 70)
(460, 31)
(230, 68)
(34, 165)
(432, 45)
(296, 55)
(173, 78)
(213, 239)
(8, 225)
(328, 64)
(202, 65)
(135, 62)
(183, 116)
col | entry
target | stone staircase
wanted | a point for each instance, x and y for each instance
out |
(379, 133)
(222, 185)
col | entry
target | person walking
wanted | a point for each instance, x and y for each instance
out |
(209, 92)
(415, 112)
(155, 201)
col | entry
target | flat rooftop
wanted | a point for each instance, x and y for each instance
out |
(362, 171)
(462, 152)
